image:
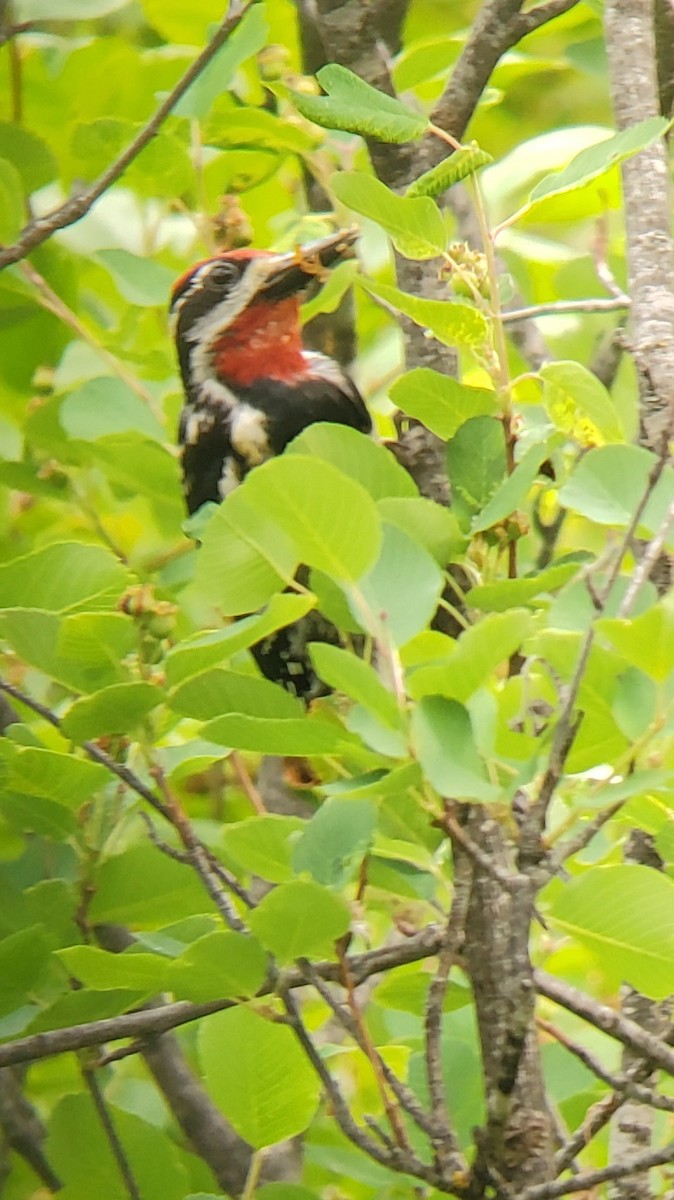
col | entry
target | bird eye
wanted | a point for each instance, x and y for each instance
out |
(221, 274)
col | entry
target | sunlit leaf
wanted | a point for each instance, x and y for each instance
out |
(415, 225)
(440, 402)
(605, 909)
(451, 322)
(258, 1074)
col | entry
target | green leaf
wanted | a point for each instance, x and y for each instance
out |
(476, 462)
(579, 404)
(246, 40)
(258, 1074)
(63, 778)
(596, 160)
(102, 970)
(609, 483)
(424, 60)
(343, 671)
(95, 639)
(451, 170)
(142, 281)
(263, 845)
(450, 322)
(292, 736)
(359, 457)
(354, 106)
(78, 1008)
(65, 10)
(186, 24)
(143, 888)
(443, 741)
(79, 1151)
(429, 524)
(513, 491)
(31, 157)
(217, 965)
(256, 128)
(203, 650)
(330, 518)
(24, 960)
(398, 597)
(647, 641)
(104, 406)
(385, 741)
(415, 226)
(113, 710)
(283, 1191)
(300, 919)
(376, 784)
(214, 692)
(604, 909)
(331, 294)
(37, 638)
(477, 653)
(440, 402)
(509, 593)
(336, 840)
(11, 201)
(244, 557)
(63, 576)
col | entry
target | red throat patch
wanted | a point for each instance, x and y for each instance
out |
(263, 342)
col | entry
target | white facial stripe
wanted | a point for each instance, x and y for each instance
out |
(194, 283)
(205, 331)
(221, 315)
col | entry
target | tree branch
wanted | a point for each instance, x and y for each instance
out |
(76, 207)
(211, 873)
(591, 1179)
(607, 1019)
(144, 1024)
(630, 44)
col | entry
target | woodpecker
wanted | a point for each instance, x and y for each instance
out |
(250, 388)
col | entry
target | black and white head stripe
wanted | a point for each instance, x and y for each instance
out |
(212, 295)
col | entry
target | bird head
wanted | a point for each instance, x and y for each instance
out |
(236, 316)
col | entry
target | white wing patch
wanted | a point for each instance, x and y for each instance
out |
(248, 434)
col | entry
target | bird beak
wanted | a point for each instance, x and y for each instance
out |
(293, 272)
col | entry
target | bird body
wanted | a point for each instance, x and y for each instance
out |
(250, 388)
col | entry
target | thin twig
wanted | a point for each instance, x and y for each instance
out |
(529, 21)
(39, 230)
(94, 752)
(247, 785)
(457, 834)
(371, 1053)
(169, 808)
(13, 31)
(624, 1030)
(600, 1114)
(393, 1157)
(591, 1179)
(567, 726)
(600, 259)
(582, 839)
(116, 1148)
(404, 1095)
(647, 562)
(55, 305)
(443, 1137)
(159, 1020)
(556, 308)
